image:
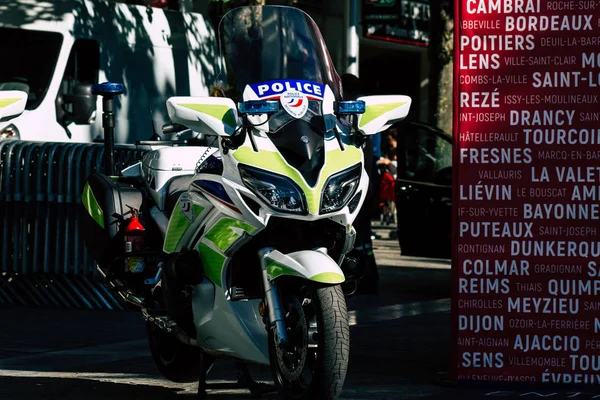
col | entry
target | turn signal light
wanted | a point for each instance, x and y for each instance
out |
(258, 107)
(348, 107)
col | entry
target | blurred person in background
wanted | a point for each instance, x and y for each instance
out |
(388, 157)
(388, 167)
(376, 178)
(363, 244)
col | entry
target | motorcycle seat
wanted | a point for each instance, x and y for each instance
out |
(175, 188)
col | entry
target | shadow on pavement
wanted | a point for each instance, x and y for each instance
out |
(405, 285)
(401, 357)
(77, 389)
(442, 262)
(415, 349)
(396, 359)
(415, 283)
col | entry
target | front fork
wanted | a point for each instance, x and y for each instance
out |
(274, 305)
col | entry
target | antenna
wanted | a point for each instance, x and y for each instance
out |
(155, 136)
(108, 90)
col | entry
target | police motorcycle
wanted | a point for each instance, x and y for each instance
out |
(239, 251)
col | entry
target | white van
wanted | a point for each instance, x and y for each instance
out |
(55, 50)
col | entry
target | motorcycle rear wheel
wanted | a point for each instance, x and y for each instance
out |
(175, 361)
(314, 364)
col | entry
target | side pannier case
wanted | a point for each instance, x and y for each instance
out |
(104, 198)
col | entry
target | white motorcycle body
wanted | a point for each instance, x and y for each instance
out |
(213, 218)
(266, 215)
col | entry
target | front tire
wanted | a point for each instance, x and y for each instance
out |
(314, 364)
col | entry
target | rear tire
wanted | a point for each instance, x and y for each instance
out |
(176, 361)
(315, 364)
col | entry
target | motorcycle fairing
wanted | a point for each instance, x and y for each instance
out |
(190, 208)
(195, 214)
(236, 330)
(216, 191)
(223, 235)
(300, 126)
(338, 155)
(336, 160)
(90, 203)
(269, 157)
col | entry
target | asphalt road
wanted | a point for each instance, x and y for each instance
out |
(400, 345)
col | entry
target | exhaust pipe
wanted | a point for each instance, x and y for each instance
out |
(127, 297)
(167, 325)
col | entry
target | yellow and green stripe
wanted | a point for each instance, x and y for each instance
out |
(220, 112)
(222, 235)
(375, 110)
(91, 205)
(8, 102)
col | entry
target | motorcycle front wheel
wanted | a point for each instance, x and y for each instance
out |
(313, 365)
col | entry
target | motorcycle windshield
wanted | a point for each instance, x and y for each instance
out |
(273, 43)
(271, 49)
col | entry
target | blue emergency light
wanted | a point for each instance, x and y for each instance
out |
(348, 107)
(257, 107)
(108, 88)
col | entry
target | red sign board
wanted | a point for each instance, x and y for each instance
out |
(526, 304)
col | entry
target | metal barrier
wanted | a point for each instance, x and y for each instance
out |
(43, 260)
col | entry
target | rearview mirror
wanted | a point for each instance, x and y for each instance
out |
(208, 115)
(381, 112)
(82, 104)
(12, 103)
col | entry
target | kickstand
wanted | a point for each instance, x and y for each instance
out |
(206, 363)
(245, 380)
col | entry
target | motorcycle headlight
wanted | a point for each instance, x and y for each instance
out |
(9, 132)
(339, 189)
(281, 193)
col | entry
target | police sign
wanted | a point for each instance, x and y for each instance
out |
(274, 89)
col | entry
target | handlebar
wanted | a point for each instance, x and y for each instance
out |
(174, 128)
